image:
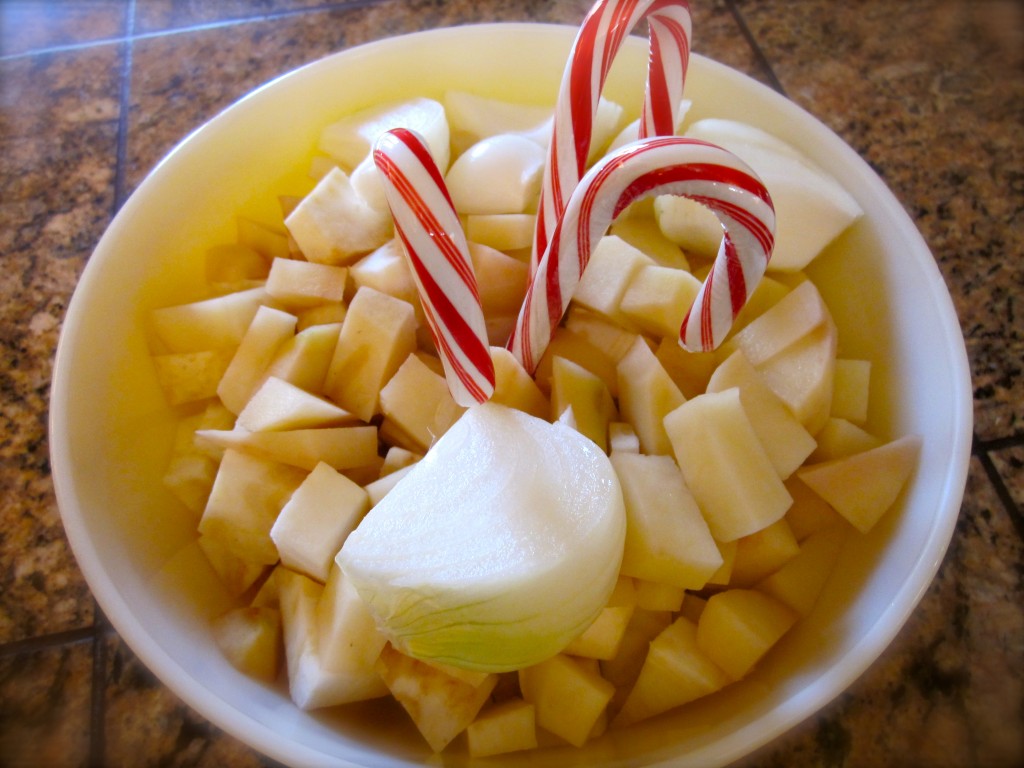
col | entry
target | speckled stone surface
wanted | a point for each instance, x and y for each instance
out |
(94, 92)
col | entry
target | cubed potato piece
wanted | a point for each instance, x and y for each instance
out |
(311, 683)
(784, 438)
(600, 332)
(297, 283)
(739, 626)
(622, 437)
(377, 336)
(667, 540)
(235, 263)
(851, 390)
(863, 486)
(442, 706)
(236, 569)
(573, 386)
(398, 458)
(622, 670)
(514, 387)
(810, 513)
(689, 224)
(317, 519)
(501, 279)
(571, 346)
(602, 638)
(340, 447)
(787, 321)
(347, 635)
(643, 233)
(612, 265)
(269, 330)
(250, 638)
(658, 596)
(387, 270)
(303, 360)
(502, 728)
(278, 405)
(349, 140)
(187, 377)
(332, 312)
(690, 371)
(246, 498)
(335, 225)
(217, 323)
(727, 549)
(560, 679)
(675, 672)
(190, 472)
(268, 239)
(725, 465)
(379, 488)
(799, 582)
(802, 374)
(647, 395)
(763, 552)
(839, 438)
(413, 399)
(658, 298)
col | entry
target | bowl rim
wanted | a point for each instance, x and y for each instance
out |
(117, 609)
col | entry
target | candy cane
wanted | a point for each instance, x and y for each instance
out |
(597, 42)
(667, 165)
(435, 244)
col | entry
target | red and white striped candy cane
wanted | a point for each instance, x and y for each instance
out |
(664, 165)
(597, 42)
(435, 244)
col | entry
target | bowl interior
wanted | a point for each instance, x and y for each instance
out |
(111, 431)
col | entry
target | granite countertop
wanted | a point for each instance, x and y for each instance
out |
(931, 94)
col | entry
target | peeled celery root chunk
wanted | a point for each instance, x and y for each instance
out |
(667, 540)
(378, 334)
(676, 671)
(510, 726)
(725, 465)
(441, 705)
(863, 486)
(739, 626)
(560, 679)
(250, 637)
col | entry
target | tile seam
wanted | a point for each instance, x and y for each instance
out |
(759, 54)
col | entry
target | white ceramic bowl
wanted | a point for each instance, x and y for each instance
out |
(111, 431)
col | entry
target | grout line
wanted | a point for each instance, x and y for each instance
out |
(125, 103)
(759, 54)
(1011, 507)
(41, 642)
(130, 36)
(97, 693)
